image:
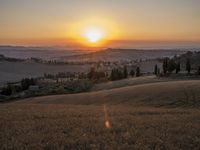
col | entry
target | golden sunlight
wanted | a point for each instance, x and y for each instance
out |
(94, 35)
(93, 32)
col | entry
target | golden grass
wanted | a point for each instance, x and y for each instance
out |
(123, 118)
(173, 94)
(37, 126)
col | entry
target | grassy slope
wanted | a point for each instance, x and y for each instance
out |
(45, 123)
(128, 82)
(171, 93)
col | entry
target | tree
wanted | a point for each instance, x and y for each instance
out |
(116, 74)
(188, 65)
(125, 72)
(91, 73)
(198, 71)
(7, 90)
(99, 75)
(132, 73)
(178, 67)
(165, 65)
(25, 83)
(171, 66)
(113, 76)
(156, 69)
(137, 71)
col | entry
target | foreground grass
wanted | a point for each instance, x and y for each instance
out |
(56, 126)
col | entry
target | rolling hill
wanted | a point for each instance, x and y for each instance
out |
(159, 115)
(172, 93)
(122, 54)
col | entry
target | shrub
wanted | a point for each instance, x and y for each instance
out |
(25, 83)
(7, 90)
(116, 74)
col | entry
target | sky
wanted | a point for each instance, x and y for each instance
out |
(125, 22)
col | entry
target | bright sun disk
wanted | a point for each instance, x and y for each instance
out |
(94, 35)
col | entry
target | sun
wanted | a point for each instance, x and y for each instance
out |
(94, 35)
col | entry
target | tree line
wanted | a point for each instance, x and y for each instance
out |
(12, 89)
(171, 65)
(118, 74)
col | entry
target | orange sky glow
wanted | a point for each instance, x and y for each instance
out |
(99, 23)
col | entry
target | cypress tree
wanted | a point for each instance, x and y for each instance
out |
(171, 66)
(188, 65)
(156, 69)
(178, 67)
(198, 71)
(165, 65)
(125, 72)
(137, 71)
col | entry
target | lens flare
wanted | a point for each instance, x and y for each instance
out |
(107, 122)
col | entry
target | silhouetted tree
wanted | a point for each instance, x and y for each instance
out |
(116, 74)
(137, 71)
(165, 65)
(156, 69)
(132, 73)
(125, 72)
(91, 73)
(178, 67)
(171, 66)
(198, 71)
(25, 83)
(188, 65)
(7, 90)
(112, 76)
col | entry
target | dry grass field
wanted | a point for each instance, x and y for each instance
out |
(162, 115)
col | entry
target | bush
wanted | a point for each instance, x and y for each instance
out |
(95, 75)
(116, 74)
(7, 90)
(25, 83)
(78, 86)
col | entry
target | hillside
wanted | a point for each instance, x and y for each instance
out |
(173, 93)
(15, 71)
(163, 115)
(70, 54)
(122, 54)
(45, 53)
